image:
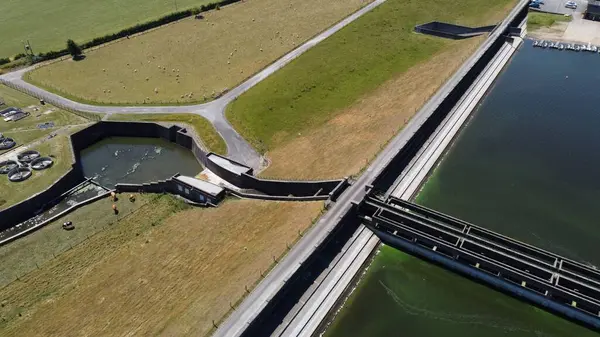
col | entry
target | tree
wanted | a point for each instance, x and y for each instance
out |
(74, 49)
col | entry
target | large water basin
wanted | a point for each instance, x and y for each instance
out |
(525, 166)
(136, 160)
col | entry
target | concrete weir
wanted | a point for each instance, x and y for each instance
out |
(297, 296)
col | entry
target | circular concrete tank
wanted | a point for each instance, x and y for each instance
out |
(41, 163)
(7, 143)
(28, 156)
(7, 166)
(19, 174)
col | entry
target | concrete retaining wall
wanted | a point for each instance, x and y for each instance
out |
(450, 31)
(320, 189)
(34, 205)
(304, 190)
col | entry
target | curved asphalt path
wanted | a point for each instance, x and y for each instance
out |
(237, 147)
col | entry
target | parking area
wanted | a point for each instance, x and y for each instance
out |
(558, 6)
(580, 30)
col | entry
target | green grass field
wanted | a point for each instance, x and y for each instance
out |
(58, 147)
(192, 60)
(537, 20)
(203, 128)
(47, 24)
(336, 73)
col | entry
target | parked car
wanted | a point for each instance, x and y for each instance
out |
(571, 4)
(534, 4)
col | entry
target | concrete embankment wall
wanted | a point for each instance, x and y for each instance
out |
(55, 216)
(305, 276)
(273, 189)
(32, 206)
(484, 55)
(279, 189)
(429, 118)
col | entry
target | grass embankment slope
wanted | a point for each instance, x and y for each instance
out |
(197, 57)
(171, 278)
(331, 110)
(537, 20)
(14, 192)
(26, 130)
(24, 255)
(203, 128)
(47, 24)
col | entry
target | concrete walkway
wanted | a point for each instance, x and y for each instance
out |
(237, 147)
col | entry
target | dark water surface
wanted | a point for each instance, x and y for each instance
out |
(527, 166)
(136, 160)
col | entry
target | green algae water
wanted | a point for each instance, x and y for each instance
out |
(526, 165)
(136, 160)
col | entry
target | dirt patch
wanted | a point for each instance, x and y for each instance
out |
(345, 144)
(576, 31)
(171, 280)
(555, 32)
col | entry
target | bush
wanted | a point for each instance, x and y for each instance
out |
(19, 56)
(4, 61)
(73, 49)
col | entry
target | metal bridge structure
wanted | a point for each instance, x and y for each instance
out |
(553, 282)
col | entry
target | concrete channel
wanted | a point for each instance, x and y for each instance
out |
(315, 310)
(282, 291)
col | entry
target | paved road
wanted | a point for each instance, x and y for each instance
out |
(237, 147)
(558, 6)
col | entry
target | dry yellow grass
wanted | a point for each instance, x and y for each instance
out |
(349, 141)
(211, 54)
(171, 280)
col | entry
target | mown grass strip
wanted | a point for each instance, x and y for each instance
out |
(536, 20)
(210, 137)
(356, 60)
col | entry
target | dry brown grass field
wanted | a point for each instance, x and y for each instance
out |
(24, 255)
(170, 279)
(197, 57)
